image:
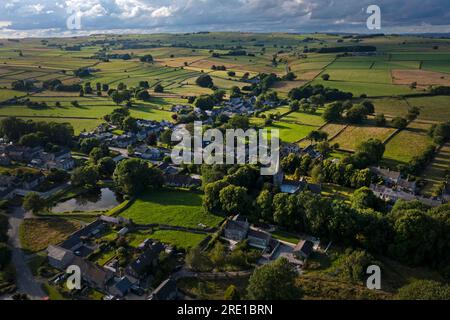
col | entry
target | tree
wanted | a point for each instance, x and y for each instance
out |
(356, 114)
(294, 105)
(32, 140)
(290, 163)
(117, 97)
(234, 199)
(166, 137)
(33, 202)
(205, 102)
(239, 122)
(364, 198)
(231, 293)
(211, 200)
(58, 175)
(380, 120)
(317, 135)
(159, 88)
(218, 95)
(325, 77)
(152, 139)
(132, 176)
(324, 148)
(333, 112)
(424, 290)
(368, 105)
(197, 260)
(317, 174)
(414, 237)
(264, 205)
(245, 176)
(218, 255)
(354, 264)
(274, 281)
(290, 76)
(87, 144)
(86, 176)
(106, 167)
(287, 212)
(144, 84)
(12, 128)
(96, 154)
(399, 123)
(5, 255)
(372, 149)
(142, 95)
(130, 124)
(204, 81)
(146, 58)
(235, 92)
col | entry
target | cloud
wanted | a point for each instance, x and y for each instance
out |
(237, 15)
(4, 24)
(162, 12)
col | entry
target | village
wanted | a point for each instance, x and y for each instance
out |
(100, 200)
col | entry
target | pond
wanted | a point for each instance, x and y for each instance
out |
(95, 200)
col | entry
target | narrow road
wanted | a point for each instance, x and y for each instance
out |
(26, 283)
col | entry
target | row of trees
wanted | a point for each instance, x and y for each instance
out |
(410, 233)
(308, 91)
(353, 113)
(32, 133)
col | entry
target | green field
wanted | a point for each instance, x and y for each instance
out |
(291, 132)
(171, 207)
(353, 135)
(409, 143)
(180, 239)
(437, 170)
(179, 59)
(432, 108)
(315, 120)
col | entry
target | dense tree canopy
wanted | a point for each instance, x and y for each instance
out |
(133, 176)
(274, 281)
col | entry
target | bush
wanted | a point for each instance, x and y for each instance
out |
(399, 123)
(5, 255)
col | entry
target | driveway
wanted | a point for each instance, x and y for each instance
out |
(26, 283)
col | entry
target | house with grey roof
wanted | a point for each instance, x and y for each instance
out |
(236, 229)
(59, 257)
(167, 290)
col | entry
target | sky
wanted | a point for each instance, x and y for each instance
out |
(42, 18)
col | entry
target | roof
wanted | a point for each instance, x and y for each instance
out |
(385, 173)
(59, 253)
(259, 234)
(181, 180)
(290, 187)
(407, 184)
(123, 285)
(75, 238)
(164, 290)
(238, 225)
(146, 259)
(92, 272)
(305, 246)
